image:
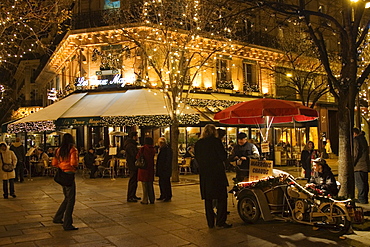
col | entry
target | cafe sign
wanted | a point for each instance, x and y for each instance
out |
(93, 121)
(260, 169)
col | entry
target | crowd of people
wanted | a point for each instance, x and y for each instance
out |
(209, 153)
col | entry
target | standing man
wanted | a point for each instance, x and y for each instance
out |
(210, 154)
(241, 153)
(18, 149)
(130, 146)
(164, 170)
(361, 161)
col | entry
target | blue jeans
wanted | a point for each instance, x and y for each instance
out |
(362, 185)
(66, 208)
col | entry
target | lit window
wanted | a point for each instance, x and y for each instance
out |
(111, 4)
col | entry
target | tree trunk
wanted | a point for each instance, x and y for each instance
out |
(175, 149)
(345, 167)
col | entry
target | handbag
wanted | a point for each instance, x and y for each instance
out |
(140, 162)
(6, 166)
(63, 178)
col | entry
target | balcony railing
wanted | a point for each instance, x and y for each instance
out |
(116, 16)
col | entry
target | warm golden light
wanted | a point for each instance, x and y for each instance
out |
(289, 74)
(265, 90)
(207, 84)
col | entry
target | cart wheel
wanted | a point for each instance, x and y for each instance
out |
(339, 219)
(248, 209)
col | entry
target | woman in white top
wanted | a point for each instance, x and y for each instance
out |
(7, 157)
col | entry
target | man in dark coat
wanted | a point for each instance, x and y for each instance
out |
(210, 155)
(130, 147)
(18, 149)
(242, 153)
(164, 170)
(361, 162)
(89, 160)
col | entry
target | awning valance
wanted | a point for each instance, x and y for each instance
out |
(142, 107)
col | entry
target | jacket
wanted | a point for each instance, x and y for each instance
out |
(130, 146)
(164, 162)
(18, 150)
(306, 159)
(325, 181)
(69, 165)
(89, 160)
(146, 175)
(10, 158)
(211, 155)
(243, 151)
(360, 153)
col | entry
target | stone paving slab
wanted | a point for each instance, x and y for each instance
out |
(106, 219)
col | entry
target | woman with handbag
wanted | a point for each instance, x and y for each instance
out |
(66, 158)
(7, 173)
(146, 175)
(308, 154)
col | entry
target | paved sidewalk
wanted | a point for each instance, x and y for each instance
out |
(106, 219)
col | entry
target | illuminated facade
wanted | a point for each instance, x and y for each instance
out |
(98, 54)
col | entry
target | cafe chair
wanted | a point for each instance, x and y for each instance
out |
(185, 167)
(109, 169)
(85, 170)
(122, 168)
(49, 169)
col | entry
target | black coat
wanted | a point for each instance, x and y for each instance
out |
(325, 181)
(130, 146)
(211, 155)
(164, 162)
(360, 153)
(18, 150)
(89, 160)
(306, 157)
(245, 150)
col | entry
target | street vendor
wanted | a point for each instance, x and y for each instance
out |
(242, 153)
(322, 178)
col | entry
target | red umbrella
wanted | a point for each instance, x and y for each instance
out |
(267, 111)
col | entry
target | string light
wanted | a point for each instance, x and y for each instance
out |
(22, 27)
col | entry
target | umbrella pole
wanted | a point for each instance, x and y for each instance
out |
(291, 147)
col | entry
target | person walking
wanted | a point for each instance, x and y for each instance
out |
(130, 147)
(146, 176)
(307, 155)
(164, 170)
(361, 162)
(7, 157)
(66, 158)
(210, 155)
(18, 149)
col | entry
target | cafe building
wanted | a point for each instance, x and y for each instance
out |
(98, 82)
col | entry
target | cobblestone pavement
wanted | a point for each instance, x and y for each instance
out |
(106, 219)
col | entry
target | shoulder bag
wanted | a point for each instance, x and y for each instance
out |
(63, 178)
(140, 162)
(6, 167)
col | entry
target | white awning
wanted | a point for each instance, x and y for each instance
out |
(143, 107)
(54, 111)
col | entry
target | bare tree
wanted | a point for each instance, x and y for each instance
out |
(299, 70)
(27, 27)
(177, 41)
(27, 31)
(339, 28)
